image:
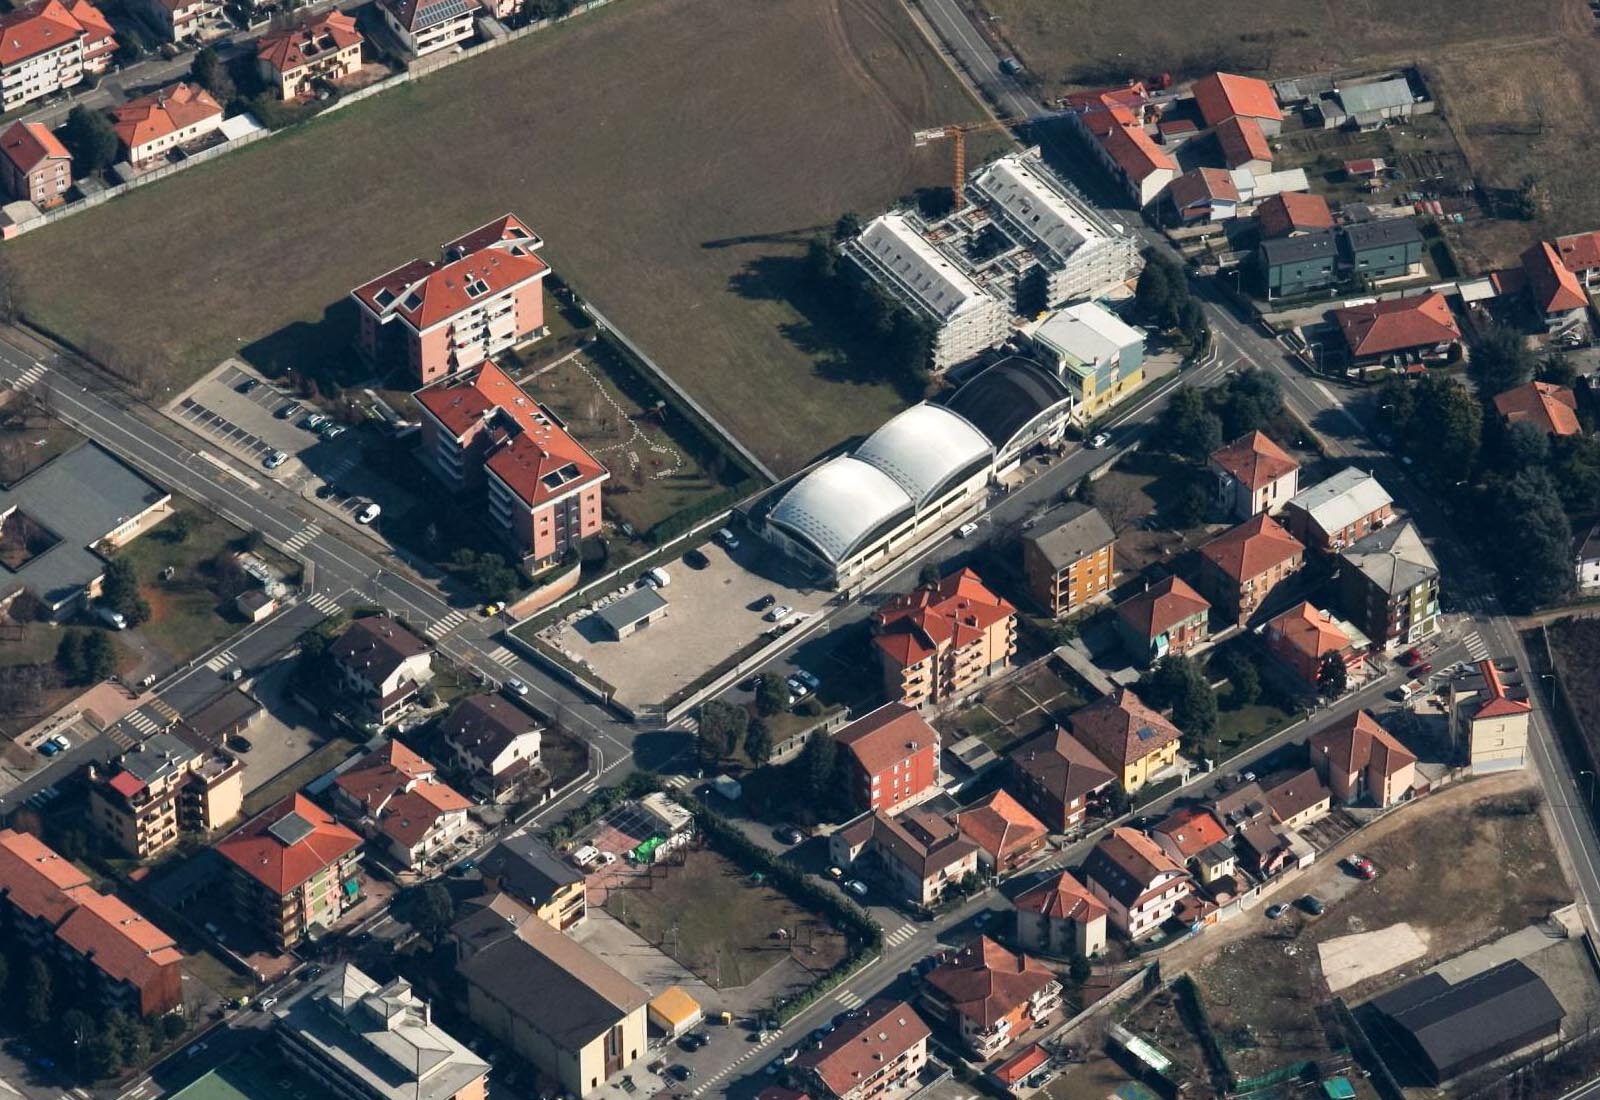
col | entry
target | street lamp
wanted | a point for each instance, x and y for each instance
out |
(1590, 774)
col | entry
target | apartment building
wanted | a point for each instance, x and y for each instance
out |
(368, 1041)
(427, 26)
(1389, 586)
(917, 855)
(1056, 776)
(543, 486)
(41, 52)
(115, 954)
(1240, 567)
(1489, 713)
(525, 867)
(381, 666)
(185, 20)
(152, 126)
(1061, 916)
(1338, 511)
(940, 640)
(989, 996)
(1097, 355)
(1068, 558)
(293, 868)
(892, 757)
(483, 295)
(1167, 619)
(34, 166)
(1140, 885)
(496, 743)
(323, 48)
(1114, 123)
(1305, 636)
(1253, 475)
(163, 789)
(398, 799)
(882, 1048)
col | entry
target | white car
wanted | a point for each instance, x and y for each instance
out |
(516, 687)
(965, 529)
(1100, 440)
(275, 459)
(369, 513)
(856, 887)
(779, 613)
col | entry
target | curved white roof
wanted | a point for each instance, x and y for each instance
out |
(923, 448)
(838, 504)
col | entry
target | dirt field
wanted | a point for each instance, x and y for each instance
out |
(1576, 645)
(1076, 42)
(675, 155)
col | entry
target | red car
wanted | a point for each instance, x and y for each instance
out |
(1411, 656)
(1421, 670)
(1362, 867)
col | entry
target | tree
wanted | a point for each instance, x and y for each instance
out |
(101, 1057)
(1500, 361)
(848, 227)
(120, 591)
(1557, 370)
(1188, 428)
(1445, 429)
(69, 656)
(722, 729)
(1247, 402)
(1190, 503)
(818, 767)
(90, 139)
(1153, 295)
(1574, 465)
(209, 71)
(1332, 676)
(1079, 969)
(772, 695)
(179, 525)
(37, 994)
(1117, 500)
(436, 910)
(1524, 446)
(1244, 678)
(1192, 323)
(10, 291)
(1535, 552)
(929, 575)
(99, 657)
(758, 742)
(1178, 682)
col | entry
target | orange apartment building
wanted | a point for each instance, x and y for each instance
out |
(484, 295)
(34, 166)
(161, 790)
(543, 486)
(939, 640)
(990, 996)
(1069, 559)
(325, 47)
(294, 868)
(883, 1048)
(47, 45)
(1241, 566)
(49, 905)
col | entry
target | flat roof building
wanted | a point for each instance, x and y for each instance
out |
(1095, 353)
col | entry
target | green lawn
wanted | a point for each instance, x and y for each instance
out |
(709, 916)
(1239, 727)
(675, 155)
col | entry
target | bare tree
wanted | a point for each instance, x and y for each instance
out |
(10, 291)
(1117, 500)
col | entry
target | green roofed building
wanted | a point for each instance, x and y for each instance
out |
(252, 1077)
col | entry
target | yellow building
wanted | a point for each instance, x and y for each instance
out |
(1135, 742)
(1489, 715)
(162, 789)
(675, 1012)
(1098, 355)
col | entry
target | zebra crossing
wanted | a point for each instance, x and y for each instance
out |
(220, 661)
(1477, 648)
(677, 782)
(295, 541)
(772, 1037)
(150, 719)
(900, 935)
(849, 999)
(324, 603)
(439, 628)
(502, 656)
(30, 377)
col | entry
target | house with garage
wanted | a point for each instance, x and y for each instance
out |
(917, 855)
(1421, 327)
(1550, 408)
(381, 667)
(1202, 196)
(1304, 637)
(397, 798)
(1360, 761)
(495, 743)
(1292, 213)
(1140, 885)
(1056, 777)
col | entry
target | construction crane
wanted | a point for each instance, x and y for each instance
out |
(957, 133)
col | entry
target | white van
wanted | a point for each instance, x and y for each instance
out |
(587, 856)
(658, 577)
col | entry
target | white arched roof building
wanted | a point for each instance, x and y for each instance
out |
(856, 510)
(925, 449)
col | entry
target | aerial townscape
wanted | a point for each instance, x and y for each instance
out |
(799, 550)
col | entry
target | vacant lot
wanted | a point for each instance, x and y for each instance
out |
(709, 916)
(1461, 868)
(1075, 42)
(1006, 716)
(1576, 646)
(676, 155)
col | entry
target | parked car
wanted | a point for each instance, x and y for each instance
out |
(289, 411)
(788, 834)
(681, 1072)
(779, 613)
(694, 1040)
(764, 602)
(797, 687)
(369, 513)
(727, 539)
(1421, 670)
(1276, 911)
(694, 559)
(265, 1003)
(1100, 439)
(966, 529)
(313, 422)
(239, 743)
(1361, 867)
(332, 431)
(807, 679)
(60, 741)
(1313, 905)
(275, 459)
(1411, 656)
(48, 748)
(112, 617)
(856, 887)
(248, 384)
(490, 610)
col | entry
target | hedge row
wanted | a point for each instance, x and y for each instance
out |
(637, 785)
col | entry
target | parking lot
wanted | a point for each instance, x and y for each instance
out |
(253, 418)
(698, 631)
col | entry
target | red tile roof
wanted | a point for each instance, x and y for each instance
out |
(1162, 606)
(299, 45)
(1201, 186)
(1555, 289)
(35, 29)
(1551, 408)
(1305, 630)
(126, 784)
(1254, 460)
(119, 941)
(1133, 150)
(1353, 742)
(1496, 703)
(888, 735)
(985, 982)
(1120, 730)
(96, 27)
(1290, 212)
(36, 880)
(1062, 898)
(1020, 1064)
(1127, 863)
(1129, 95)
(25, 144)
(1579, 252)
(1192, 830)
(1221, 96)
(381, 774)
(954, 611)
(1252, 548)
(162, 112)
(282, 867)
(489, 260)
(1000, 825)
(1242, 141)
(849, 1055)
(1398, 324)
